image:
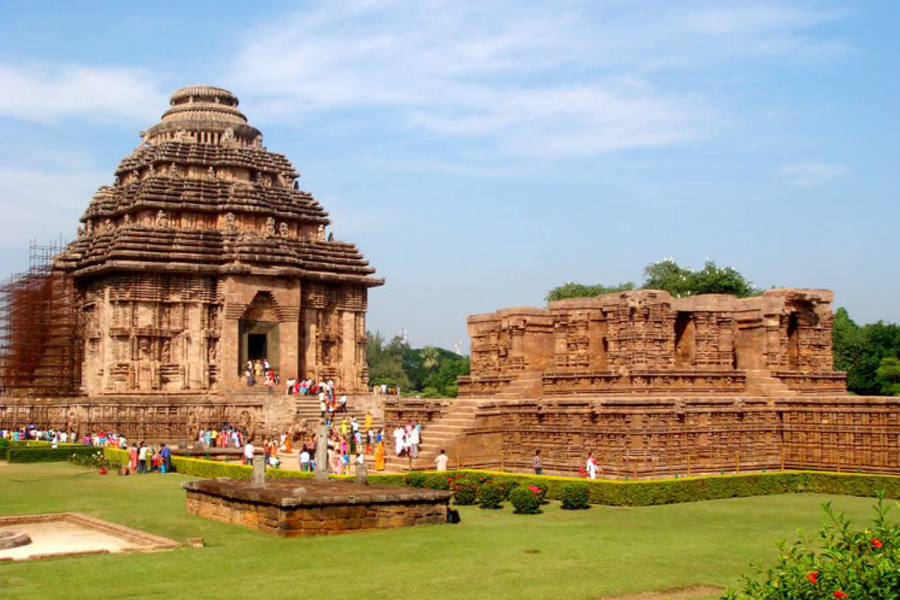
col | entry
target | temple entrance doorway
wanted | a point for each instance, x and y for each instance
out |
(256, 346)
(259, 334)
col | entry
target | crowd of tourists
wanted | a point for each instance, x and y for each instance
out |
(222, 436)
(260, 370)
(407, 439)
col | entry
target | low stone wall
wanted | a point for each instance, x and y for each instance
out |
(650, 438)
(289, 509)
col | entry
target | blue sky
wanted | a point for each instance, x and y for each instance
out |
(481, 153)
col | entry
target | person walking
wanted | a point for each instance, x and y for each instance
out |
(591, 466)
(538, 465)
(441, 461)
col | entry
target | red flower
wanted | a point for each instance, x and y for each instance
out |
(877, 543)
(534, 489)
(813, 577)
(839, 594)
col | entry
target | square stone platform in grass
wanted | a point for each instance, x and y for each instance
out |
(27, 537)
(306, 507)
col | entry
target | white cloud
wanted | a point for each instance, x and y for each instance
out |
(811, 173)
(519, 80)
(47, 93)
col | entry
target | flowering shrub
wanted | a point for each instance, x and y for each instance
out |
(542, 488)
(490, 495)
(95, 459)
(465, 491)
(845, 563)
(574, 496)
(526, 500)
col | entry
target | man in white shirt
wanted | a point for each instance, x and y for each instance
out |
(304, 460)
(441, 461)
(248, 452)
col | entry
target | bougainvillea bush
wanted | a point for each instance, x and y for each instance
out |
(843, 563)
(526, 499)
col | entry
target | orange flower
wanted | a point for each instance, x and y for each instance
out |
(813, 577)
(877, 543)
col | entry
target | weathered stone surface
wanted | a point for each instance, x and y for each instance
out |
(657, 386)
(321, 508)
(180, 261)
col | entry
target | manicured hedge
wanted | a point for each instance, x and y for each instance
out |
(46, 454)
(670, 491)
(5, 446)
(209, 469)
(613, 493)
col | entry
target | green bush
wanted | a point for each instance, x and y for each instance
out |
(506, 486)
(542, 487)
(490, 495)
(575, 496)
(46, 454)
(465, 491)
(416, 479)
(843, 563)
(526, 500)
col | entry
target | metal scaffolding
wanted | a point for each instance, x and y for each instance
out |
(40, 351)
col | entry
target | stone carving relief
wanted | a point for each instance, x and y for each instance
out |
(283, 230)
(162, 219)
(270, 227)
(231, 221)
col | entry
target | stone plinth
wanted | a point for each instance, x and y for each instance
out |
(306, 507)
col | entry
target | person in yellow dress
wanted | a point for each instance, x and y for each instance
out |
(379, 456)
(368, 420)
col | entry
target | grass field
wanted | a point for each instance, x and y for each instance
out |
(602, 551)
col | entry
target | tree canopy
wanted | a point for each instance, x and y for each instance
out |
(669, 276)
(870, 354)
(430, 371)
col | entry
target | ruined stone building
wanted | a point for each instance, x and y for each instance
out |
(657, 386)
(202, 255)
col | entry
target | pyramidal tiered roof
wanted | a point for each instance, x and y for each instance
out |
(201, 193)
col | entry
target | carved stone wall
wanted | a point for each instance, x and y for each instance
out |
(647, 342)
(662, 437)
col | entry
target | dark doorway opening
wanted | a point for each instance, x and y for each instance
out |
(256, 346)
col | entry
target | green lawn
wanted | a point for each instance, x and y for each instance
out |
(570, 555)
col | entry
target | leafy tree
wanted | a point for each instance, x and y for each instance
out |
(429, 371)
(386, 361)
(889, 375)
(579, 290)
(860, 351)
(681, 281)
(669, 276)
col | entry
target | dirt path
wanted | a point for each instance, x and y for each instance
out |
(680, 594)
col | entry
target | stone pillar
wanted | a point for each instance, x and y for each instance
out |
(321, 472)
(258, 477)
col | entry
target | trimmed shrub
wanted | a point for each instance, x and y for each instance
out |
(506, 486)
(46, 454)
(526, 500)
(541, 486)
(490, 495)
(416, 479)
(465, 491)
(575, 496)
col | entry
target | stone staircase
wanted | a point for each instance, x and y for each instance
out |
(526, 385)
(761, 383)
(307, 411)
(444, 433)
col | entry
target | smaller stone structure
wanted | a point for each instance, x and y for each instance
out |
(307, 507)
(30, 537)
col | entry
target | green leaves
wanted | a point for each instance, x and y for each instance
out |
(669, 276)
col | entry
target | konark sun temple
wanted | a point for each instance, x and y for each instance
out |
(204, 254)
